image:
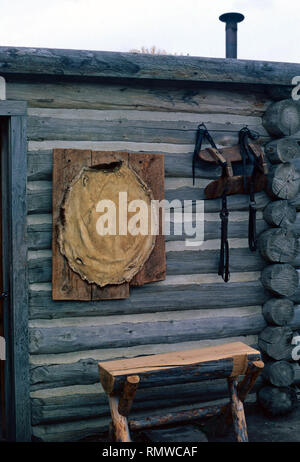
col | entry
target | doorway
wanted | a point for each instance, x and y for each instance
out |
(14, 367)
(2, 339)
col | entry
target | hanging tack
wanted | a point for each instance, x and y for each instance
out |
(278, 245)
(280, 213)
(280, 279)
(282, 118)
(282, 150)
(277, 401)
(278, 311)
(283, 181)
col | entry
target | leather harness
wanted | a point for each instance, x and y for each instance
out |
(252, 163)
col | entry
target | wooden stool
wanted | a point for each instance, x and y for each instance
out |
(120, 380)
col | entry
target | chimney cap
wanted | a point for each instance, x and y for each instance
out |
(232, 17)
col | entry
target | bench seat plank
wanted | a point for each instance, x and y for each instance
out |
(220, 361)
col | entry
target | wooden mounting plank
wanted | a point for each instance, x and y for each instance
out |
(150, 167)
(66, 284)
(67, 163)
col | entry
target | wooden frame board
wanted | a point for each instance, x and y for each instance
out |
(67, 163)
(15, 282)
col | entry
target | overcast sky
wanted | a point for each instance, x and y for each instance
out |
(271, 30)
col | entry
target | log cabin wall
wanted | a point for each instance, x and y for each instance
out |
(193, 306)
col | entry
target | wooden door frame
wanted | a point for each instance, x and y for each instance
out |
(15, 282)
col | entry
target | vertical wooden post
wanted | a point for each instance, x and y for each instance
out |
(111, 432)
(120, 424)
(237, 410)
(244, 387)
(129, 391)
(252, 373)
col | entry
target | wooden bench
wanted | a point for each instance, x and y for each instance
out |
(120, 380)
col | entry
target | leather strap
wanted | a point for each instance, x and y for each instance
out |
(247, 154)
(224, 250)
(202, 133)
(252, 219)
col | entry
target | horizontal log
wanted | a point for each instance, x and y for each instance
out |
(78, 396)
(61, 407)
(178, 158)
(60, 62)
(58, 336)
(283, 181)
(134, 126)
(280, 213)
(222, 140)
(173, 418)
(297, 373)
(39, 194)
(40, 266)
(149, 299)
(84, 372)
(82, 402)
(81, 428)
(140, 96)
(280, 279)
(273, 334)
(278, 245)
(278, 311)
(295, 201)
(70, 431)
(296, 225)
(282, 118)
(17, 108)
(276, 342)
(279, 373)
(296, 296)
(295, 323)
(39, 226)
(69, 403)
(183, 262)
(40, 198)
(177, 164)
(39, 231)
(279, 92)
(277, 401)
(51, 371)
(282, 150)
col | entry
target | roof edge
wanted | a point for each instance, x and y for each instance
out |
(107, 64)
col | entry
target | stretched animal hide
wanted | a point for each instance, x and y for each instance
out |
(103, 259)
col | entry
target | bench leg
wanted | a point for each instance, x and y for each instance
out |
(111, 432)
(119, 422)
(120, 409)
(128, 395)
(253, 371)
(237, 410)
